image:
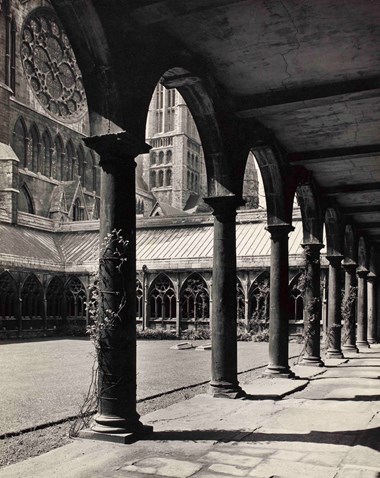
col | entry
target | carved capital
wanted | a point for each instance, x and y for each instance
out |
(278, 231)
(224, 207)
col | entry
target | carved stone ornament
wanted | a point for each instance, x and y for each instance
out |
(50, 66)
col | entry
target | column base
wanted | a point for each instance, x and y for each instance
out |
(278, 371)
(350, 348)
(362, 344)
(124, 438)
(372, 341)
(334, 354)
(226, 390)
(116, 424)
(311, 361)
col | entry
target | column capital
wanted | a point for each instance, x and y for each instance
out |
(222, 205)
(362, 272)
(115, 149)
(349, 265)
(312, 249)
(334, 260)
(371, 277)
(277, 231)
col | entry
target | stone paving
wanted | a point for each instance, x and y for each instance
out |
(330, 429)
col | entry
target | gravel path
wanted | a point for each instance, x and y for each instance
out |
(47, 380)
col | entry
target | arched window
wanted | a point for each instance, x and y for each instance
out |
(46, 154)
(80, 163)
(296, 300)
(139, 300)
(259, 306)
(153, 158)
(70, 162)
(240, 301)
(78, 210)
(169, 155)
(188, 158)
(75, 295)
(54, 304)
(26, 203)
(162, 299)
(160, 178)
(19, 142)
(152, 179)
(32, 300)
(168, 177)
(188, 180)
(8, 297)
(35, 148)
(195, 299)
(57, 158)
(160, 157)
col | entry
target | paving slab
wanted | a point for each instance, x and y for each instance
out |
(273, 388)
(330, 429)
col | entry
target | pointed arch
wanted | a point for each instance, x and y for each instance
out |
(240, 301)
(334, 232)
(20, 141)
(296, 298)
(162, 299)
(26, 202)
(80, 163)
(139, 300)
(311, 211)
(54, 302)
(69, 162)
(195, 299)
(8, 300)
(57, 163)
(46, 153)
(32, 301)
(258, 304)
(35, 148)
(75, 299)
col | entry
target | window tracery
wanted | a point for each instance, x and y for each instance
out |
(50, 66)
(139, 300)
(195, 299)
(75, 299)
(162, 299)
(8, 296)
(32, 298)
(54, 294)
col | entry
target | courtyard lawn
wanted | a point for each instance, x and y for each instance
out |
(47, 380)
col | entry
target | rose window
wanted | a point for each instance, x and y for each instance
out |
(50, 66)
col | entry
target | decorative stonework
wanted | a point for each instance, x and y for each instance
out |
(50, 66)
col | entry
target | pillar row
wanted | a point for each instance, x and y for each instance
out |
(334, 322)
(362, 319)
(279, 301)
(224, 382)
(312, 306)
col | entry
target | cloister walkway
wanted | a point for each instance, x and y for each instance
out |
(330, 429)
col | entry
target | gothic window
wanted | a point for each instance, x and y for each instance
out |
(35, 148)
(26, 203)
(54, 296)
(78, 210)
(168, 177)
(240, 301)
(153, 179)
(80, 161)
(195, 299)
(196, 182)
(50, 66)
(32, 298)
(259, 306)
(296, 302)
(162, 299)
(19, 142)
(169, 155)
(139, 300)
(160, 157)
(160, 178)
(75, 295)
(10, 47)
(188, 180)
(70, 162)
(57, 158)
(46, 154)
(8, 296)
(188, 158)
(153, 158)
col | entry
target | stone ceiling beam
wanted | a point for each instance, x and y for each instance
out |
(362, 151)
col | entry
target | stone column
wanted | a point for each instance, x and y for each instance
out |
(361, 340)
(349, 327)
(334, 322)
(312, 306)
(279, 303)
(224, 382)
(117, 278)
(371, 311)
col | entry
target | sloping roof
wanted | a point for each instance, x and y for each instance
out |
(167, 210)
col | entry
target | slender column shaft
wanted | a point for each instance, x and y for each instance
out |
(371, 312)
(279, 303)
(333, 308)
(312, 306)
(362, 309)
(224, 382)
(349, 326)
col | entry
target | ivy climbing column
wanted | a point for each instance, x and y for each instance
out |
(279, 303)
(312, 306)
(371, 311)
(334, 322)
(224, 381)
(116, 341)
(348, 309)
(361, 340)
